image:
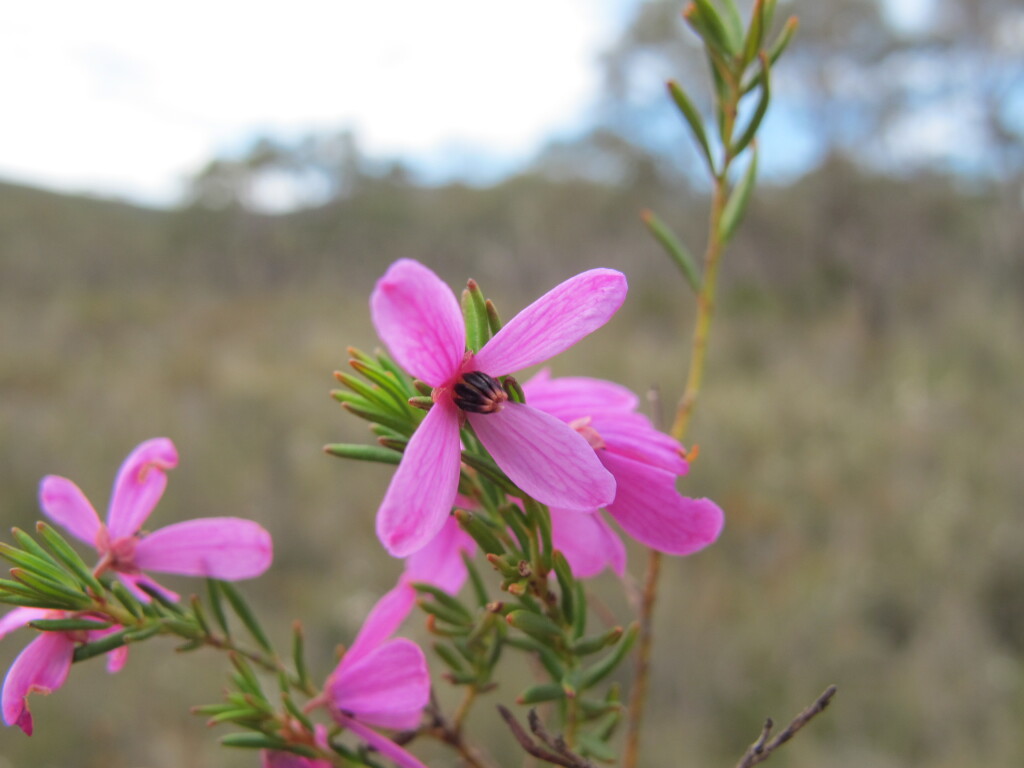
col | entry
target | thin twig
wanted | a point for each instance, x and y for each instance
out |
(762, 749)
(557, 752)
(451, 734)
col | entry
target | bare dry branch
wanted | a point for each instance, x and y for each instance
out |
(557, 753)
(762, 749)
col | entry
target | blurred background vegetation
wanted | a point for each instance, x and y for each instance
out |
(860, 425)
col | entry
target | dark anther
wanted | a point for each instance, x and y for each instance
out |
(477, 392)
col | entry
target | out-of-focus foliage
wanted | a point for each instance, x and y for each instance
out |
(940, 89)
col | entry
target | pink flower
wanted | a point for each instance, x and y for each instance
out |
(380, 682)
(42, 667)
(439, 564)
(225, 548)
(418, 318)
(645, 463)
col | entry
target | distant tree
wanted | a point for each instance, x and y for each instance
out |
(942, 92)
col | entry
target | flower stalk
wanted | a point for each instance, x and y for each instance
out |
(731, 54)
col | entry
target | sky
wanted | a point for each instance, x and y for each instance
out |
(127, 98)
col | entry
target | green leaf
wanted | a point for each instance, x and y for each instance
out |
(736, 206)
(596, 673)
(537, 694)
(68, 625)
(51, 590)
(449, 657)
(493, 320)
(127, 599)
(513, 389)
(778, 47)
(540, 520)
(785, 37)
(479, 590)
(296, 711)
(445, 613)
(490, 470)
(482, 534)
(254, 741)
(513, 517)
(217, 606)
(137, 635)
(759, 112)
(674, 248)
(160, 599)
(245, 613)
(98, 647)
(474, 312)
(693, 119)
(704, 19)
(44, 567)
(443, 598)
(374, 453)
(594, 747)
(566, 585)
(388, 381)
(246, 678)
(299, 655)
(755, 34)
(64, 552)
(29, 545)
(358, 406)
(594, 644)
(733, 24)
(579, 623)
(537, 626)
(371, 395)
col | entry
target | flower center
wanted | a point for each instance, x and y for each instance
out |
(118, 555)
(591, 435)
(476, 392)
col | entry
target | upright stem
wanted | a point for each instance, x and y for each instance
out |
(702, 327)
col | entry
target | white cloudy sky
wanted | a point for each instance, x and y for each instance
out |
(125, 97)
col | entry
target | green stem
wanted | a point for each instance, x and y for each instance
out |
(684, 411)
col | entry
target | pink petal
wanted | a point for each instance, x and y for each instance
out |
(649, 508)
(543, 456)
(382, 744)
(20, 617)
(418, 318)
(440, 562)
(554, 322)
(116, 659)
(227, 548)
(42, 667)
(132, 581)
(63, 502)
(139, 485)
(422, 490)
(573, 397)
(588, 542)
(632, 435)
(383, 621)
(387, 687)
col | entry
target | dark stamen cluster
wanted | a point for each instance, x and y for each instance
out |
(476, 392)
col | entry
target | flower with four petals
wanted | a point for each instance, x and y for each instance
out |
(419, 320)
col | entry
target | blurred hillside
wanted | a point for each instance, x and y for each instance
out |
(860, 428)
